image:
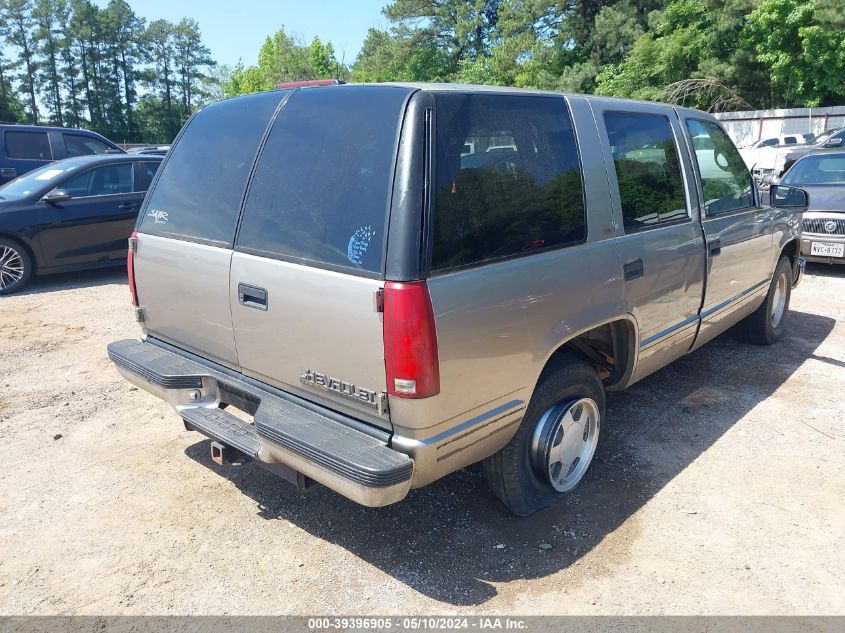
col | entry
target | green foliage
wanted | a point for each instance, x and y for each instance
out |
(80, 64)
(283, 58)
(806, 59)
(74, 62)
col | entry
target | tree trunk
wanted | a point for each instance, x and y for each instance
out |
(127, 91)
(27, 57)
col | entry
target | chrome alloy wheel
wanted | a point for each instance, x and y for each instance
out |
(564, 442)
(779, 300)
(11, 267)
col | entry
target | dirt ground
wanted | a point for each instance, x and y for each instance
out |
(717, 487)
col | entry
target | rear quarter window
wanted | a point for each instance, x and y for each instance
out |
(199, 192)
(508, 178)
(320, 192)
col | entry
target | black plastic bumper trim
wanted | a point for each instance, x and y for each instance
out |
(154, 368)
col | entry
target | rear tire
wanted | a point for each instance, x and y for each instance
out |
(15, 266)
(554, 445)
(765, 325)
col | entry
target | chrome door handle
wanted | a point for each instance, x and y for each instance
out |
(252, 297)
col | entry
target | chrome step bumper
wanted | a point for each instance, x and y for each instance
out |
(323, 445)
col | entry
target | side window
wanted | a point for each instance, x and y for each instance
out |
(79, 145)
(648, 170)
(147, 171)
(725, 182)
(28, 145)
(106, 180)
(508, 178)
(198, 195)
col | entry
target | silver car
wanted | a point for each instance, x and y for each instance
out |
(393, 282)
(822, 176)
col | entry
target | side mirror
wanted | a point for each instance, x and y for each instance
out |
(768, 179)
(784, 197)
(56, 195)
(833, 142)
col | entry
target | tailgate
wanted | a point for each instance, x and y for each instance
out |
(309, 253)
(188, 224)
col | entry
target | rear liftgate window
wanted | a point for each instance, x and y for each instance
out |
(508, 178)
(198, 194)
(319, 195)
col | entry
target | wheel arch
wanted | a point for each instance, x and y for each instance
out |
(25, 244)
(610, 347)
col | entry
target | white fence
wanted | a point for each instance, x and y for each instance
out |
(746, 128)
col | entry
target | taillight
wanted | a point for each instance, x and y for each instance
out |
(130, 266)
(410, 341)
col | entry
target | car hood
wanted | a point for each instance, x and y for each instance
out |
(825, 197)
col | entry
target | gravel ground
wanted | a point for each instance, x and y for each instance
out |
(717, 488)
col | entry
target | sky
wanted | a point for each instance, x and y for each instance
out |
(236, 29)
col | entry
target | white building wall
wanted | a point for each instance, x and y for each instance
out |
(746, 128)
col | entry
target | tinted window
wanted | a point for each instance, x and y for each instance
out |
(147, 171)
(651, 188)
(725, 181)
(198, 195)
(106, 180)
(79, 145)
(28, 145)
(508, 178)
(320, 189)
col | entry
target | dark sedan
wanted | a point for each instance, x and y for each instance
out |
(822, 176)
(70, 215)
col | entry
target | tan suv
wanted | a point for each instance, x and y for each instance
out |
(394, 282)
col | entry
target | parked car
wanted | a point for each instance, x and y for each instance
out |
(822, 176)
(70, 215)
(385, 311)
(762, 155)
(27, 147)
(830, 139)
(783, 139)
(158, 150)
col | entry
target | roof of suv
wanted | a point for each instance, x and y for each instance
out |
(21, 127)
(458, 87)
(96, 159)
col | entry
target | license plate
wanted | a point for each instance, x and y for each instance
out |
(827, 249)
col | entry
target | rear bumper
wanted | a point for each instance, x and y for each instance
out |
(339, 452)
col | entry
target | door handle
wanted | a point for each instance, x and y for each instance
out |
(633, 269)
(127, 205)
(252, 297)
(715, 247)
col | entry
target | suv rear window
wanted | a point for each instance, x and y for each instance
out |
(508, 178)
(28, 146)
(320, 190)
(198, 195)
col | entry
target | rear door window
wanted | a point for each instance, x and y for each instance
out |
(508, 178)
(198, 195)
(648, 169)
(146, 172)
(81, 145)
(28, 146)
(320, 192)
